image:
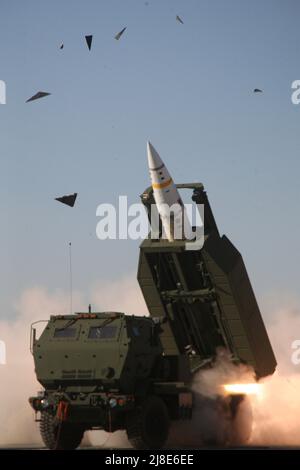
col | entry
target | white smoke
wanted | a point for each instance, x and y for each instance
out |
(17, 378)
(276, 411)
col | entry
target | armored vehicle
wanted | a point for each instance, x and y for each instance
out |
(114, 371)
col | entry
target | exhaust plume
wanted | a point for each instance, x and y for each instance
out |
(276, 411)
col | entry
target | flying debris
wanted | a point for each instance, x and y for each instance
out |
(38, 95)
(89, 41)
(69, 199)
(61, 46)
(117, 36)
(179, 19)
(257, 90)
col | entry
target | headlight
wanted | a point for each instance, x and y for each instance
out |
(112, 402)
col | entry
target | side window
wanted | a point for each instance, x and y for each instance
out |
(64, 333)
(102, 332)
(136, 330)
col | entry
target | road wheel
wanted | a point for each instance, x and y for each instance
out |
(148, 426)
(241, 420)
(59, 435)
(216, 415)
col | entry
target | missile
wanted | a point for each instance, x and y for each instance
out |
(169, 204)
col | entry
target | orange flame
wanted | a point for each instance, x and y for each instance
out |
(243, 389)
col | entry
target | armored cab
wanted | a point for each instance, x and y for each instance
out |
(101, 370)
(98, 351)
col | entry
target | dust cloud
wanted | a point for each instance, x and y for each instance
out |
(276, 410)
(17, 378)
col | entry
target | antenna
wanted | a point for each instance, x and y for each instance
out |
(71, 280)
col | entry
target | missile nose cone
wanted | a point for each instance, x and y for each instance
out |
(154, 160)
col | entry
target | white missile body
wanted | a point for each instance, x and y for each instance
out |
(171, 209)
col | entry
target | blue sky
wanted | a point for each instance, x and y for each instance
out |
(187, 88)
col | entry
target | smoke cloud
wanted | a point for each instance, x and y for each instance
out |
(17, 378)
(276, 411)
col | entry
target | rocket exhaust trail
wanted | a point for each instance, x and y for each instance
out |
(169, 204)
